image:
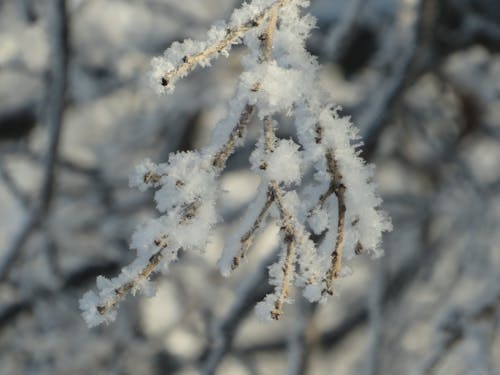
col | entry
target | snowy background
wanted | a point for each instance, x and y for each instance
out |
(422, 81)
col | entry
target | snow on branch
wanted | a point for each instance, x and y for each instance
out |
(339, 205)
(182, 58)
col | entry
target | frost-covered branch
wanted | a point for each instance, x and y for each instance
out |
(339, 189)
(220, 159)
(182, 58)
(340, 203)
(246, 240)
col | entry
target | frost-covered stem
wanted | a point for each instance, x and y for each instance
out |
(268, 35)
(289, 238)
(233, 36)
(331, 165)
(152, 178)
(267, 45)
(247, 238)
(59, 71)
(269, 135)
(323, 198)
(220, 158)
(275, 192)
(339, 190)
(123, 290)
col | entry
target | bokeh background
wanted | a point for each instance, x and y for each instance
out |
(421, 78)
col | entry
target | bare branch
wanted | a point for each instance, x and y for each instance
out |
(54, 120)
(13, 188)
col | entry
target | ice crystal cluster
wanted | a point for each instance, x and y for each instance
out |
(324, 218)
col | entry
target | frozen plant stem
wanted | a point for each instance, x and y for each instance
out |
(267, 44)
(339, 205)
(121, 291)
(338, 188)
(232, 37)
(289, 262)
(220, 159)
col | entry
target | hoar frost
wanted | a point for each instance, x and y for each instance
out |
(339, 204)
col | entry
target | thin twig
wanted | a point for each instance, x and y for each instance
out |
(267, 39)
(287, 226)
(396, 286)
(339, 190)
(13, 188)
(247, 239)
(220, 159)
(289, 238)
(123, 290)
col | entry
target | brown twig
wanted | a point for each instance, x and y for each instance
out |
(289, 238)
(123, 290)
(339, 190)
(247, 239)
(323, 198)
(276, 194)
(220, 158)
(267, 44)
